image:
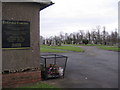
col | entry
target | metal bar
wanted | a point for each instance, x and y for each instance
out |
(51, 57)
(54, 56)
(65, 67)
(45, 70)
(55, 59)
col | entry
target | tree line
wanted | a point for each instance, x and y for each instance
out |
(96, 36)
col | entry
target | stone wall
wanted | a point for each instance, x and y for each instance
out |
(24, 58)
(20, 79)
(14, 60)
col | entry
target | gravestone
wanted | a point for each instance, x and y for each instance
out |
(20, 42)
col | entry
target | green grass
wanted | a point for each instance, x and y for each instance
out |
(109, 48)
(84, 45)
(69, 48)
(80, 44)
(49, 50)
(41, 85)
(16, 48)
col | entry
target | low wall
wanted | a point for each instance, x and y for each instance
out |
(13, 80)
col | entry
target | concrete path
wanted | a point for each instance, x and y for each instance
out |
(94, 68)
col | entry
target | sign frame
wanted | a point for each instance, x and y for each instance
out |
(15, 34)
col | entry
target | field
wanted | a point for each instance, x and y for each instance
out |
(49, 50)
(40, 85)
(45, 48)
(109, 48)
(105, 47)
(73, 48)
(84, 45)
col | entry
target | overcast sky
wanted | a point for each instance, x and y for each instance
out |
(73, 15)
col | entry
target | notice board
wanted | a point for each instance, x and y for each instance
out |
(15, 34)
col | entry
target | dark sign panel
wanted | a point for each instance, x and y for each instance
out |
(15, 34)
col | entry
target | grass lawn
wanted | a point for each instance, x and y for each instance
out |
(69, 48)
(109, 48)
(41, 85)
(84, 45)
(49, 50)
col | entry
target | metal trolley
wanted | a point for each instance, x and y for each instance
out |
(53, 66)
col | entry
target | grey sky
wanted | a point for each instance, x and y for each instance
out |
(73, 15)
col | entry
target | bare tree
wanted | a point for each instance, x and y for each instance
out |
(104, 35)
(93, 37)
(88, 37)
(99, 41)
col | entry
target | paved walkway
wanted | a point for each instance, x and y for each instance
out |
(94, 68)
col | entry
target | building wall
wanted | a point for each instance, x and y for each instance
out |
(0, 45)
(15, 60)
(26, 58)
